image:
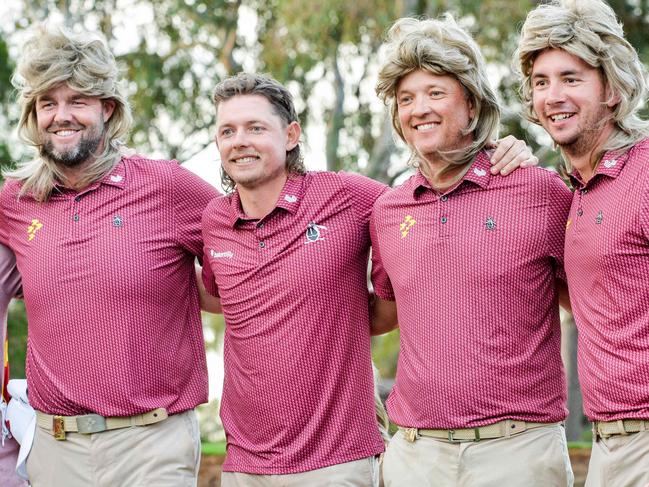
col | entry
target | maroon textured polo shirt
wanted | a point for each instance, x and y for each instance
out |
(473, 271)
(298, 389)
(607, 263)
(112, 302)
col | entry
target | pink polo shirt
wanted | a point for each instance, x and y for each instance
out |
(112, 301)
(9, 286)
(298, 389)
(607, 263)
(473, 272)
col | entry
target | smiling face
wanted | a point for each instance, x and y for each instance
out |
(253, 141)
(433, 111)
(71, 125)
(573, 104)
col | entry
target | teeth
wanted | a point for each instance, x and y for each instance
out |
(561, 116)
(425, 126)
(245, 159)
(64, 133)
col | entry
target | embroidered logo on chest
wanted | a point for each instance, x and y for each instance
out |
(599, 218)
(118, 221)
(314, 232)
(34, 227)
(405, 226)
(490, 224)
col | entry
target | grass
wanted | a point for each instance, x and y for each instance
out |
(209, 448)
(580, 444)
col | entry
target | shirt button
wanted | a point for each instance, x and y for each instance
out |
(77, 198)
(443, 219)
(75, 218)
(262, 244)
(580, 212)
(260, 225)
(444, 198)
(584, 191)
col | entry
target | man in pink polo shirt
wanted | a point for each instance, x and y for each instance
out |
(106, 244)
(287, 253)
(9, 287)
(583, 83)
(474, 262)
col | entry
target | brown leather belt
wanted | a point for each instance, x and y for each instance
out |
(87, 424)
(500, 429)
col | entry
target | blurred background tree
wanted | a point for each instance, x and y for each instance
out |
(173, 52)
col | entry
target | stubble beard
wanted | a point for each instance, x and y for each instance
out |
(86, 149)
(588, 135)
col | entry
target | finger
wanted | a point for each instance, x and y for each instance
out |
(523, 159)
(506, 153)
(531, 161)
(503, 146)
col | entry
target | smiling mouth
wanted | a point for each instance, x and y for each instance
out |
(426, 126)
(64, 133)
(561, 116)
(244, 160)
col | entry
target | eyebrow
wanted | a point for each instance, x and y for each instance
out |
(567, 72)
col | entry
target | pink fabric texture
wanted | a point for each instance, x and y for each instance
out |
(607, 263)
(298, 390)
(9, 286)
(108, 280)
(473, 272)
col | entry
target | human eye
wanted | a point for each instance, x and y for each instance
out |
(256, 129)
(404, 99)
(226, 132)
(540, 83)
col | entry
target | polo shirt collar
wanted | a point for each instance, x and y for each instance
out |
(610, 165)
(289, 200)
(115, 177)
(479, 173)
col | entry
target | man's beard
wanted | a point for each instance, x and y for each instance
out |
(76, 155)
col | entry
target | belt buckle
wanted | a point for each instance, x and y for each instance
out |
(410, 434)
(91, 423)
(58, 428)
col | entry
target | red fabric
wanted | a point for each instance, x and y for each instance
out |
(474, 281)
(298, 389)
(607, 263)
(108, 280)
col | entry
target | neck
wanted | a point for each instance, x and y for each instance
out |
(72, 177)
(443, 175)
(259, 201)
(585, 162)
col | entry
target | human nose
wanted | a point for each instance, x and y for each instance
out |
(421, 106)
(555, 94)
(62, 113)
(240, 139)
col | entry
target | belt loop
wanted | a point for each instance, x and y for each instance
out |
(508, 428)
(620, 427)
(643, 425)
(596, 435)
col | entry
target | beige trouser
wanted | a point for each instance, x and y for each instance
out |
(359, 473)
(620, 461)
(165, 454)
(536, 457)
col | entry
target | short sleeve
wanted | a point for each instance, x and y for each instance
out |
(191, 194)
(208, 276)
(558, 200)
(380, 279)
(363, 192)
(4, 236)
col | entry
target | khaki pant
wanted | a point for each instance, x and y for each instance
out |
(165, 454)
(620, 461)
(359, 473)
(536, 457)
